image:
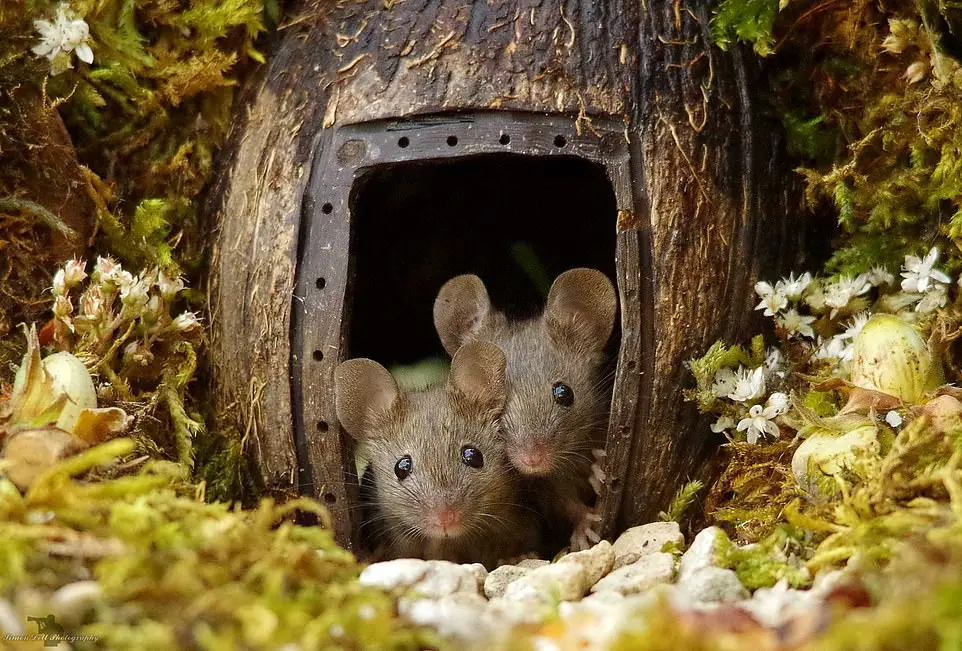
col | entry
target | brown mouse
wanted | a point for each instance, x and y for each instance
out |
(444, 486)
(558, 400)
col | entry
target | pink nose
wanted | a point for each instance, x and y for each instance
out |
(535, 458)
(449, 518)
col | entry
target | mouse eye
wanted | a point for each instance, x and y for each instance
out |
(403, 467)
(471, 456)
(562, 394)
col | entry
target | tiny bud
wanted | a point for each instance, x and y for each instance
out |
(59, 284)
(62, 307)
(169, 286)
(74, 272)
(92, 302)
(186, 322)
(916, 72)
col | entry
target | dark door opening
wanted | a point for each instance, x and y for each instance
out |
(515, 221)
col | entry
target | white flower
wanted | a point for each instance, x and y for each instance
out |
(63, 35)
(773, 362)
(936, 297)
(858, 322)
(893, 418)
(920, 272)
(74, 272)
(834, 348)
(92, 302)
(134, 296)
(724, 382)
(723, 423)
(778, 401)
(879, 276)
(186, 322)
(59, 283)
(792, 287)
(169, 286)
(794, 323)
(843, 290)
(749, 385)
(759, 423)
(773, 299)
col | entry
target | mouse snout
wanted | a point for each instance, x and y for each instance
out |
(533, 459)
(446, 521)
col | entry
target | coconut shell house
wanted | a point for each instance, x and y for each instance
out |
(388, 146)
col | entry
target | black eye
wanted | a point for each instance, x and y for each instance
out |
(562, 394)
(471, 456)
(403, 467)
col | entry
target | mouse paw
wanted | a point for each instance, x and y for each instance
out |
(598, 475)
(584, 535)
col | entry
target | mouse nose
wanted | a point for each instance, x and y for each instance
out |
(449, 519)
(534, 459)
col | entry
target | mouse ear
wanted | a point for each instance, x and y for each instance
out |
(581, 305)
(460, 310)
(478, 375)
(363, 389)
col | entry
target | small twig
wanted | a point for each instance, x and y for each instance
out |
(35, 209)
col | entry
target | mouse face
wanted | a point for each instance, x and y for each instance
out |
(557, 403)
(440, 471)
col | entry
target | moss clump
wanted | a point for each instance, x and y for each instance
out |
(176, 572)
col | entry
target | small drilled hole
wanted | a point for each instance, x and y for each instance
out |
(322, 426)
(504, 139)
(327, 209)
(320, 283)
(403, 142)
(559, 141)
(452, 141)
(318, 355)
(329, 498)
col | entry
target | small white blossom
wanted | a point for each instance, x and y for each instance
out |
(773, 362)
(835, 348)
(794, 323)
(92, 302)
(916, 72)
(169, 286)
(64, 34)
(792, 287)
(759, 423)
(59, 283)
(778, 402)
(723, 423)
(186, 322)
(920, 272)
(749, 385)
(136, 352)
(879, 276)
(134, 296)
(858, 322)
(893, 418)
(773, 300)
(843, 290)
(724, 382)
(936, 297)
(366, 611)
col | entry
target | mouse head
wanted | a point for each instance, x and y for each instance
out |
(437, 456)
(556, 394)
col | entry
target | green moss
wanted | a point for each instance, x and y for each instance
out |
(746, 21)
(717, 357)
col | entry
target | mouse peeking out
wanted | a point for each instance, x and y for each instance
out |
(558, 399)
(443, 485)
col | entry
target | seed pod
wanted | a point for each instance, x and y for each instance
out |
(890, 356)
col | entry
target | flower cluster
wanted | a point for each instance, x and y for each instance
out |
(830, 313)
(117, 309)
(66, 33)
(742, 392)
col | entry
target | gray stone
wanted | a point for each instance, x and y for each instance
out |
(711, 584)
(532, 563)
(74, 600)
(704, 552)
(513, 612)
(549, 584)
(480, 574)
(461, 617)
(498, 579)
(429, 579)
(645, 573)
(596, 561)
(645, 539)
